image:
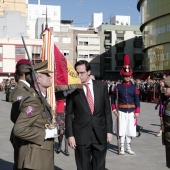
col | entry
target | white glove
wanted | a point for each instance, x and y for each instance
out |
(51, 133)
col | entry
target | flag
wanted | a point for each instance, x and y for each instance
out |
(48, 54)
(65, 77)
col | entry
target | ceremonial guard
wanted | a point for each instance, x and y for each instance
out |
(166, 121)
(32, 126)
(126, 107)
(22, 77)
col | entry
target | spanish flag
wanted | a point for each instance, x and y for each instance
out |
(65, 76)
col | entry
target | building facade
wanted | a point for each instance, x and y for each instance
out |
(12, 50)
(116, 41)
(155, 26)
(87, 47)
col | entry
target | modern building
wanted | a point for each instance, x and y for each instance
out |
(116, 41)
(155, 27)
(120, 20)
(87, 47)
(12, 50)
(97, 19)
(36, 19)
(13, 5)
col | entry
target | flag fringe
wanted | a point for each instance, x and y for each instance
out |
(68, 87)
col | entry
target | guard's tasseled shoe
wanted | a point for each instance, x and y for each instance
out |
(128, 149)
(122, 152)
(130, 152)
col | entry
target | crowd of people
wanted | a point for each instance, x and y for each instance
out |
(84, 116)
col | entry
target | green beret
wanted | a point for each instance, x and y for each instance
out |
(42, 67)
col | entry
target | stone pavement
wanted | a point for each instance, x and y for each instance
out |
(149, 151)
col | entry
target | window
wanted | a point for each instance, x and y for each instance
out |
(94, 41)
(83, 41)
(19, 50)
(82, 54)
(66, 53)
(107, 64)
(1, 48)
(120, 49)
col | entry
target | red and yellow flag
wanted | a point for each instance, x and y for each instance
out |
(65, 77)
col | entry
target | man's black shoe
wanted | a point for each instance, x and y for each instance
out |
(138, 130)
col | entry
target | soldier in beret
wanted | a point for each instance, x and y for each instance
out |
(23, 79)
(166, 121)
(128, 107)
(37, 146)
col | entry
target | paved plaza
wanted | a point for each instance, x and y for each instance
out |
(149, 151)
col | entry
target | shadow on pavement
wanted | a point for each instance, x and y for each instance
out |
(5, 165)
(4, 100)
(57, 168)
(112, 148)
(155, 125)
(148, 132)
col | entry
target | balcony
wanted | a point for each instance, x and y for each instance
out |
(107, 42)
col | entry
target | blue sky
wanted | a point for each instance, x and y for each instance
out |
(80, 11)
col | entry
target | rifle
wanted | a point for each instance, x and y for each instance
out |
(118, 137)
(40, 94)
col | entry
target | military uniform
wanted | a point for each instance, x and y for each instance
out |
(166, 124)
(128, 105)
(35, 152)
(16, 95)
(166, 131)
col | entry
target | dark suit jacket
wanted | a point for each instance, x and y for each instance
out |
(80, 121)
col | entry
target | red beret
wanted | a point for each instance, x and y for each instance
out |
(126, 70)
(22, 61)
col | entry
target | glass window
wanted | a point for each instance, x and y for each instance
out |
(1, 64)
(19, 50)
(66, 53)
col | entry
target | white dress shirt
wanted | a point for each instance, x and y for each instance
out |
(90, 84)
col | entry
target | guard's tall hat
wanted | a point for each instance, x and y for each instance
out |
(126, 70)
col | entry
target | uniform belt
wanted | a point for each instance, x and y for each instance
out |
(126, 106)
(167, 112)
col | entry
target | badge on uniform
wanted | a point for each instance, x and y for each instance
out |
(30, 110)
(19, 98)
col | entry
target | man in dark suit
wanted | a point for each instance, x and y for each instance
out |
(89, 120)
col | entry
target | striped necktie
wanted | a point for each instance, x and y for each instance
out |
(89, 98)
